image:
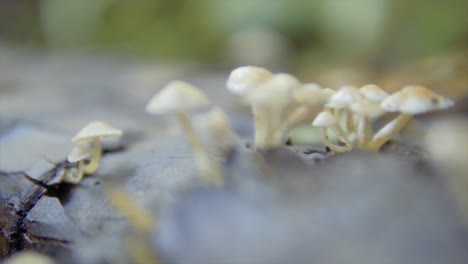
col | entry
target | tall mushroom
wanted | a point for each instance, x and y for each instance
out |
(270, 103)
(181, 97)
(243, 81)
(411, 100)
(94, 132)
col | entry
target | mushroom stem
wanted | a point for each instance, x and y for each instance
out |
(350, 122)
(386, 132)
(329, 144)
(93, 164)
(268, 126)
(209, 168)
(367, 131)
(339, 131)
(337, 112)
(364, 131)
(74, 175)
(297, 116)
(278, 136)
(260, 127)
(272, 128)
(128, 206)
(278, 126)
(341, 134)
(188, 131)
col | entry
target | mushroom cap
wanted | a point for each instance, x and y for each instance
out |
(345, 96)
(243, 79)
(96, 129)
(311, 94)
(415, 100)
(79, 153)
(324, 119)
(283, 80)
(276, 90)
(367, 108)
(177, 96)
(328, 92)
(373, 93)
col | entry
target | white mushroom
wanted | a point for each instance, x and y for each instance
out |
(373, 93)
(325, 120)
(340, 101)
(411, 100)
(28, 257)
(365, 110)
(307, 97)
(93, 132)
(78, 155)
(179, 97)
(345, 96)
(216, 134)
(270, 103)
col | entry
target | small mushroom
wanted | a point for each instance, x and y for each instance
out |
(411, 100)
(28, 257)
(307, 96)
(325, 120)
(93, 132)
(373, 93)
(341, 101)
(344, 97)
(180, 97)
(217, 139)
(78, 155)
(270, 103)
(216, 134)
(365, 110)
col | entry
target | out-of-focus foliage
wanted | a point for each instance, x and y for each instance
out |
(168, 29)
(315, 32)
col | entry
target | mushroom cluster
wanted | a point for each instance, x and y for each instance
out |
(88, 151)
(361, 106)
(280, 102)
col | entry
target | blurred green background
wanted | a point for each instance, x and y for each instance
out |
(281, 34)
